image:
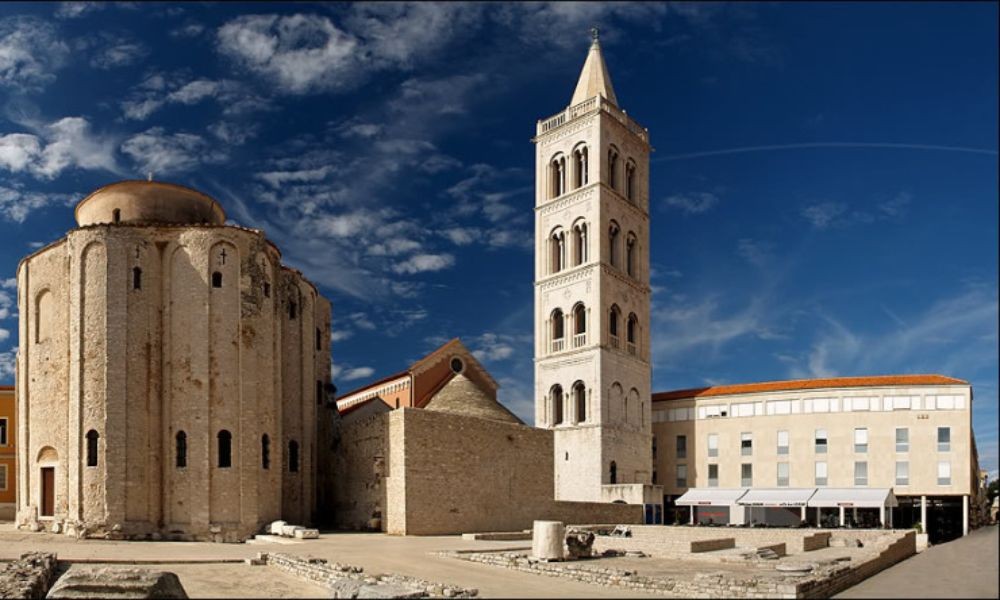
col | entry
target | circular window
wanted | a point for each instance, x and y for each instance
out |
(457, 365)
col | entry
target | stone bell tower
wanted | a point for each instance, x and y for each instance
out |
(592, 372)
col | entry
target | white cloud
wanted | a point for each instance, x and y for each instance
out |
(188, 30)
(339, 335)
(361, 321)
(111, 51)
(16, 204)
(421, 263)
(755, 252)
(234, 134)
(8, 359)
(8, 304)
(357, 373)
(9, 284)
(493, 347)
(693, 203)
(31, 51)
(158, 152)
(300, 53)
(18, 151)
(66, 143)
(75, 10)
(823, 214)
(4, 335)
(461, 236)
(158, 90)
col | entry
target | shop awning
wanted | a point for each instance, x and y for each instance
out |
(777, 497)
(710, 496)
(853, 497)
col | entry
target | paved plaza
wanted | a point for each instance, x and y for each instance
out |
(964, 568)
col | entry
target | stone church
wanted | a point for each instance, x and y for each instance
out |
(172, 374)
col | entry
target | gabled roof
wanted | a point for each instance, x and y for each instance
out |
(807, 384)
(457, 394)
(594, 78)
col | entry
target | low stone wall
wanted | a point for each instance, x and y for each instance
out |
(844, 577)
(711, 545)
(778, 549)
(346, 580)
(30, 576)
(815, 541)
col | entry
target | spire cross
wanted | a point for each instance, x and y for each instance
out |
(594, 33)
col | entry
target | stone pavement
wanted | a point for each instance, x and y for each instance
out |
(964, 568)
(377, 553)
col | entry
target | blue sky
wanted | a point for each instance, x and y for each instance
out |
(823, 188)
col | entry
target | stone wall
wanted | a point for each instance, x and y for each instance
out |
(903, 547)
(436, 473)
(30, 576)
(670, 541)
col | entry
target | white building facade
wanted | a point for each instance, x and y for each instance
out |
(592, 294)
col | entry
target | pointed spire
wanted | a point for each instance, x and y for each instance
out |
(594, 79)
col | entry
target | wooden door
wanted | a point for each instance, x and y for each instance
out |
(48, 491)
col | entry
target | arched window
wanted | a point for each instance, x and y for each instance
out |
(92, 437)
(556, 396)
(116, 215)
(580, 396)
(579, 325)
(267, 289)
(579, 243)
(181, 450)
(225, 449)
(293, 456)
(613, 474)
(319, 392)
(632, 335)
(293, 310)
(557, 250)
(136, 278)
(613, 231)
(614, 315)
(613, 168)
(580, 166)
(558, 333)
(557, 175)
(630, 252)
(216, 279)
(630, 181)
(265, 451)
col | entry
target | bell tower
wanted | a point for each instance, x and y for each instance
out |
(592, 371)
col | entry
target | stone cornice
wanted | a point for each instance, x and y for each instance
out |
(560, 202)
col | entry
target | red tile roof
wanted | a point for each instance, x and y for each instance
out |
(807, 384)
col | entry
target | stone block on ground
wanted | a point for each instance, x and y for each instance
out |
(289, 530)
(390, 590)
(307, 534)
(276, 527)
(547, 540)
(579, 544)
(116, 582)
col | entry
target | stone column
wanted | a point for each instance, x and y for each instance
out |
(692, 515)
(802, 512)
(965, 514)
(881, 515)
(841, 516)
(923, 513)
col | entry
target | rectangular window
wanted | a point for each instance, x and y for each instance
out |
(682, 476)
(821, 405)
(3, 431)
(944, 439)
(944, 473)
(903, 473)
(746, 475)
(820, 441)
(820, 473)
(783, 474)
(3, 478)
(902, 439)
(743, 410)
(861, 473)
(713, 475)
(779, 407)
(682, 446)
(900, 403)
(746, 443)
(782, 442)
(945, 402)
(861, 440)
(713, 444)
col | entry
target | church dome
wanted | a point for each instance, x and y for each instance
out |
(148, 201)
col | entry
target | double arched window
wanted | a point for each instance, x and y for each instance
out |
(580, 166)
(614, 317)
(558, 330)
(557, 176)
(579, 325)
(614, 232)
(632, 333)
(630, 181)
(579, 243)
(556, 398)
(580, 398)
(613, 167)
(630, 254)
(557, 250)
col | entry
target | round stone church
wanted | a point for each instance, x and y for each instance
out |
(171, 374)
